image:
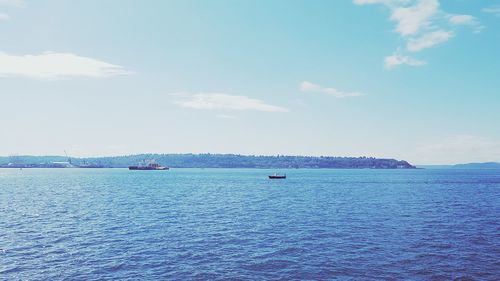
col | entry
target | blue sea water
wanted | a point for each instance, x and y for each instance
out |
(213, 224)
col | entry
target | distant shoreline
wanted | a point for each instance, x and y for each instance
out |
(206, 161)
(241, 168)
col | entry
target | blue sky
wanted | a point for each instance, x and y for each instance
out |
(408, 79)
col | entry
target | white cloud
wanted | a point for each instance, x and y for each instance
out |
(4, 17)
(428, 40)
(462, 19)
(390, 3)
(364, 2)
(215, 101)
(311, 87)
(467, 20)
(422, 24)
(410, 20)
(52, 66)
(459, 149)
(395, 60)
(13, 3)
(493, 10)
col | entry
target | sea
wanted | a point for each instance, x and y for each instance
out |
(236, 224)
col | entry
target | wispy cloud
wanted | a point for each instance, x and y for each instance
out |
(495, 9)
(422, 24)
(391, 3)
(219, 101)
(396, 60)
(410, 19)
(4, 17)
(462, 19)
(315, 88)
(466, 20)
(50, 66)
(428, 40)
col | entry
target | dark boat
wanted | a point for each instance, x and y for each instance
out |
(276, 176)
(148, 167)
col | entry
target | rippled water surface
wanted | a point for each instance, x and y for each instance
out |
(102, 224)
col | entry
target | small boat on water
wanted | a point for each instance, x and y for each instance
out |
(276, 176)
(150, 166)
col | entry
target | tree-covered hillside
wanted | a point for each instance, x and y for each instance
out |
(215, 161)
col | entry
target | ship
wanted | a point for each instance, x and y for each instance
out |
(276, 176)
(151, 165)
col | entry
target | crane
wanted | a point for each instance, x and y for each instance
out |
(69, 159)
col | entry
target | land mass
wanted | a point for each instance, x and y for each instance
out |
(205, 161)
(485, 165)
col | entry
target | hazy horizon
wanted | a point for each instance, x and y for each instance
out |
(408, 80)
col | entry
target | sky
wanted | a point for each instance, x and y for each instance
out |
(417, 80)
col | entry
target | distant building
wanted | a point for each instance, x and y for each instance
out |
(62, 164)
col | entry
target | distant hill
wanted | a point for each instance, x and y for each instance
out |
(434, 166)
(487, 165)
(214, 161)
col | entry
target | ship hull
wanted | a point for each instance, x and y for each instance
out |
(277, 177)
(147, 168)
